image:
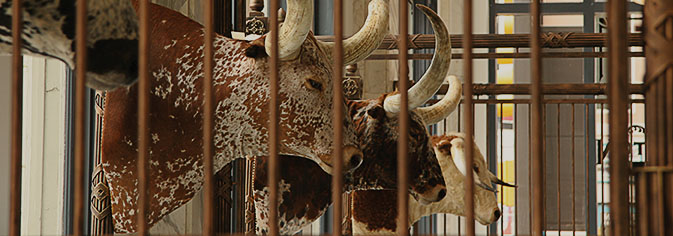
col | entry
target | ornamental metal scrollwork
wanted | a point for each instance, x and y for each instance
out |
(350, 87)
(255, 26)
(555, 40)
(352, 83)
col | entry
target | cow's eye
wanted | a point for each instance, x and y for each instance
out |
(314, 84)
(476, 169)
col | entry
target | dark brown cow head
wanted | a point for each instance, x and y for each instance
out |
(305, 199)
(241, 81)
(375, 212)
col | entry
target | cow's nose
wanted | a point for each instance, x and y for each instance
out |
(352, 157)
(496, 215)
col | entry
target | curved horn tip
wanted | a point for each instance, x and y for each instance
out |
(503, 183)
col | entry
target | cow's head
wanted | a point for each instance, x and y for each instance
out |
(306, 75)
(377, 124)
(451, 154)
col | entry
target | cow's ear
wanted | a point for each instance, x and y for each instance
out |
(377, 112)
(256, 49)
(444, 146)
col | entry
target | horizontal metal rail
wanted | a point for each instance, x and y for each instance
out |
(549, 89)
(544, 101)
(548, 40)
(496, 55)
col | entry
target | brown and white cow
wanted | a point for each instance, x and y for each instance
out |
(241, 118)
(303, 200)
(375, 212)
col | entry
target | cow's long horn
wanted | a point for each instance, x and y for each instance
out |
(433, 77)
(294, 30)
(364, 42)
(442, 109)
(498, 181)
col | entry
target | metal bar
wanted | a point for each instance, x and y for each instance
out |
(17, 111)
(619, 100)
(403, 140)
(558, 166)
(80, 119)
(600, 160)
(143, 116)
(643, 209)
(545, 101)
(496, 55)
(274, 118)
(572, 162)
(469, 115)
(536, 109)
(548, 89)
(516, 190)
(586, 166)
(530, 173)
(661, 203)
(337, 120)
(208, 122)
(502, 171)
(661, 120)
(632, 178)
(551, 40)
(491, 156)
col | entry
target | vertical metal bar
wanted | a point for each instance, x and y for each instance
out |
(536, 110)
(600, 158)
(572, 162)
(587, 219)
(516, 190)
(661, 209)
(274, 117)
(469, 115)
(661, 121)
(80, 97)
(143, 116)
(208, 125)
(558, 166)
(17, 110)
(403, 140)
(530, 172)
(643, 205)
(502, 172)
(618, 97)
(337, 120)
